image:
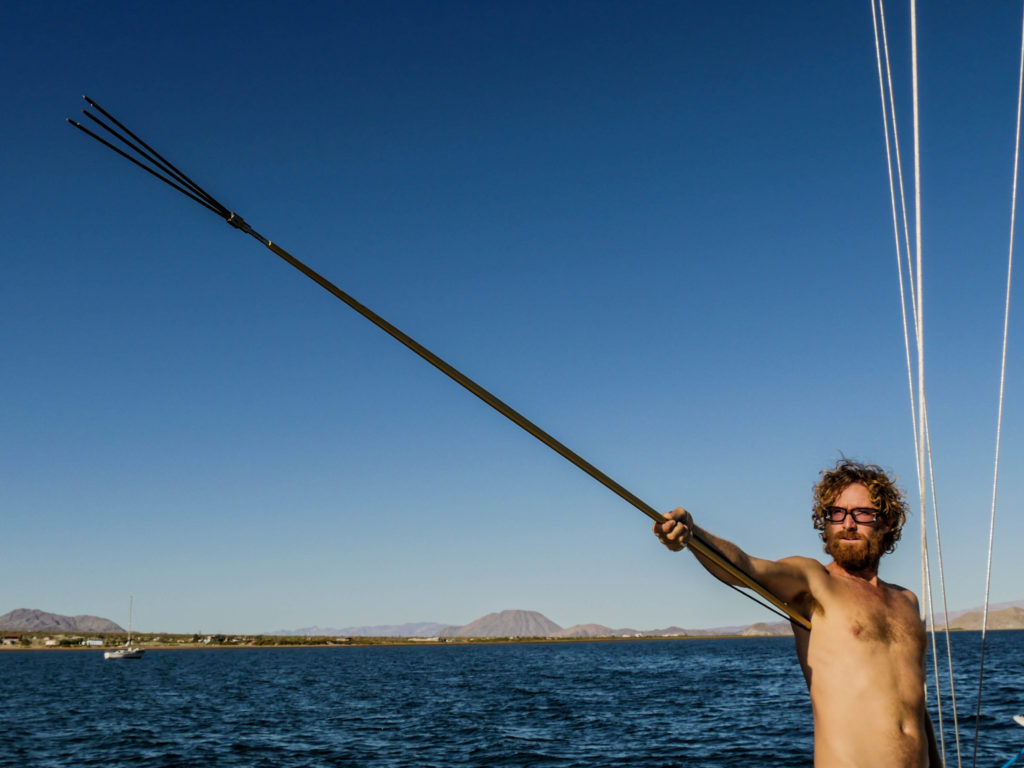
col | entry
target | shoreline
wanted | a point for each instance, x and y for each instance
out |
(366, 642)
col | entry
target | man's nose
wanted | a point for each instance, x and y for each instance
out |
(849, 523)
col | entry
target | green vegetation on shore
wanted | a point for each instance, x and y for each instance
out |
(97, 641)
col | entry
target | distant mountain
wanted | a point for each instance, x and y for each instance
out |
(733, 630)
(1007, 618)
(506, 624)
(940, 619)
(671, 632)
(762, 629)
(31, 620)
(533, 624)
(420, 629)
(593, 630)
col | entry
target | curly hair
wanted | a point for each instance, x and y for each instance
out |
(892, 507)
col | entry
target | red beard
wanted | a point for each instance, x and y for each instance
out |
(861, 554)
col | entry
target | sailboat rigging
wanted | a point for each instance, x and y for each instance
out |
(919, 412)
(128, 650)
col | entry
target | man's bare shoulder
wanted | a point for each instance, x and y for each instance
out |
(808, 570)
(813, 576)
(806, 565)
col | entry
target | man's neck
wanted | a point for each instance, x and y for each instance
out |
(867, 574)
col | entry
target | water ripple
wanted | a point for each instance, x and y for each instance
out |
(569, 705)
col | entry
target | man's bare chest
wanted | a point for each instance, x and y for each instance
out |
(871, 615)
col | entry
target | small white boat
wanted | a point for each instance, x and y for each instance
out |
(1018, 719)
(127, 651)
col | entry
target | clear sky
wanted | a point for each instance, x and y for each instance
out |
(659, 230)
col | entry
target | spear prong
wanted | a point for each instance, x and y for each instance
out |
(157, 158)
(146, 168)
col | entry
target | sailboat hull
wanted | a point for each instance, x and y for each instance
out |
(124, 653)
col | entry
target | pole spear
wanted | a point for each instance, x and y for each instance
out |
(137, 151)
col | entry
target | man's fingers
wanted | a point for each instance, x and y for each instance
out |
(675, 531)
(676, 537)
(663, 530)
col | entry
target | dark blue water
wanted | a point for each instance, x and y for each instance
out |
(654, 703)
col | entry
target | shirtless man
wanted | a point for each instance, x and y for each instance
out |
(863, 659)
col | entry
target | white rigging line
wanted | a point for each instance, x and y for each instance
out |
(887, 115)
(1002, 389)
(893, 148)
(922, 434)
(924, 430)
(945, 604)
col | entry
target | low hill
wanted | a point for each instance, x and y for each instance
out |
(672, 631)
(594, 630)
(533, 624)
(506, 624)
(31, 620)
(416, 629)
(763, 629)
(1007, 618)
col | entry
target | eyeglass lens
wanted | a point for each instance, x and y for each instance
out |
(860, 514)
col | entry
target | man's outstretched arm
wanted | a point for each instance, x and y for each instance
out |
(788, 578)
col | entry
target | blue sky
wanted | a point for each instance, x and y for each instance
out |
(660, 230)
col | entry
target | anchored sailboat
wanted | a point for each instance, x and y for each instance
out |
(127, 651)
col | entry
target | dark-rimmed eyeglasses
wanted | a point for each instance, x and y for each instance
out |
(861, 515)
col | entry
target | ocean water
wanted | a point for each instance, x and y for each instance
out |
(654, 703)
